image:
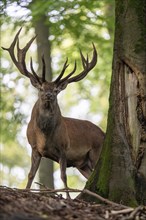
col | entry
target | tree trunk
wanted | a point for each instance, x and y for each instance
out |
(44, 48)
(43, 45)
(120, 174)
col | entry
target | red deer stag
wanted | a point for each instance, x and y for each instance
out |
(68, 141)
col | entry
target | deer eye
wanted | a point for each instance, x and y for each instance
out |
(41, 89)
(55, 90)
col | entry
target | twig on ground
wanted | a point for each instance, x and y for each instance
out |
(135, 211)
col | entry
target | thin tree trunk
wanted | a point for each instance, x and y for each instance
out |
(43, 45)
(120, 174)
(44, 48)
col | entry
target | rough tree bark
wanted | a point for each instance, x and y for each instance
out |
(120, 174)
(44, 48)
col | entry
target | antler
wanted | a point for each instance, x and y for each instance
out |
(21, 55)
(21, 65)
(62, 72)
(87, 66)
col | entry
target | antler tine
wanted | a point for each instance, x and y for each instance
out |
(87, 66)
(34, 73)
(70, 74)
(62, 72)
(94, 61)
(11, 48)
(87, 60)
(43, 69)
(83, 59)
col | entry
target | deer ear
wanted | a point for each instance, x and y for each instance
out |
(34, 82)
(62, 86)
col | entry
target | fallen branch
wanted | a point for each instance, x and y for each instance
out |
(123, 211)
(103, 199)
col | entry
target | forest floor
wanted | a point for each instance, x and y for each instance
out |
(18, 204)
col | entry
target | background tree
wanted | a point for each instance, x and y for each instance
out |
(120, 174)
(43, 49)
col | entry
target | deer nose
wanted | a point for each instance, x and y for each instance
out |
(49, 94)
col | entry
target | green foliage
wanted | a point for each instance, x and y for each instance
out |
(10, 116)
(13, 155)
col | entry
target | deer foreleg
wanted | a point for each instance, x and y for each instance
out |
(63, 165)
(35, 161)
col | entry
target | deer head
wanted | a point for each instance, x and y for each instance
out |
(48, 90)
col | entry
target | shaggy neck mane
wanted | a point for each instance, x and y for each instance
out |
(49, 116)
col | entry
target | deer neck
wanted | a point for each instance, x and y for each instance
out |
(49, 115)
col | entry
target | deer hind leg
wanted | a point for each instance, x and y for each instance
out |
(85, 171)
(35, 161)
(63, 165)
(94, 155)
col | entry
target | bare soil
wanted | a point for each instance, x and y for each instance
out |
(16, 204)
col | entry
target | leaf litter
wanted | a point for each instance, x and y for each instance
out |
(18, 204)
